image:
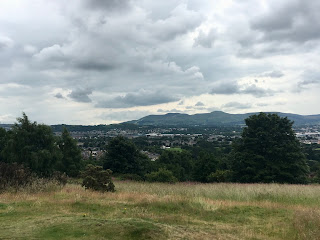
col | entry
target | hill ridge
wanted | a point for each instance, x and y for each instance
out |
(216, 118)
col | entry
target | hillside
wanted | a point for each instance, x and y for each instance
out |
(217, 118)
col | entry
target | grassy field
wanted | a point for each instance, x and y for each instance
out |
(164, 211)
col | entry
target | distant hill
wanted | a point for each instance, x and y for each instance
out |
(216, 118)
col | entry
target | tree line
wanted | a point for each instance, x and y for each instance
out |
(267, 152)
(35, 146)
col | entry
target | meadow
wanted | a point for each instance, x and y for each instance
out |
(139, 210)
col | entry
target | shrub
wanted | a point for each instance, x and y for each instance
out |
(42, 185)
(60, 178)
(14, 176)
(132, 177)
(95, 178)
(220, 176)
(162, 175)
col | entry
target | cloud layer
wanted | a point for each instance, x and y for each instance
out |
(91, 59)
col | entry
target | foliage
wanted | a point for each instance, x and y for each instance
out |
(162, 175)
(204, 165)
(95, 178)
(32, 145)
(14, 176)
(220, 176)
(179, 163)
(60, 177)
(71, 161)
(123, 157)
(268, 152)
(132, 177)
(35, 146)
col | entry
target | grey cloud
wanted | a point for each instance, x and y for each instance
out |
(236, 105)
(141, 98)
(59, 95)
(226, 88)
(5, 42)
(308, 78)
(94, 65)
(52, 53)
(234, 88)
(262, 49)
(257, 91)
(81, 95)
(119, 47)
(296, 21)
(107, 4)
(205, 40)
(262, 104)
(174, 110)
(199, 104)
(181, 103)
(272, 74)
(181, 21)
(124, 115)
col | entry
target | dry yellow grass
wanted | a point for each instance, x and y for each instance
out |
(164, 211)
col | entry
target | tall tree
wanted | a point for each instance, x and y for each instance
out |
(32, 145)
(123, 157)
(179, 163)
(71, 161)
(269, 152)
(3, 140)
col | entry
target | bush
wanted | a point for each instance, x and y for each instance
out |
(42, 185)
(60, 178)
(132, 177)
(162, 175)
(220, 176)
(14, 176)
(95, 178)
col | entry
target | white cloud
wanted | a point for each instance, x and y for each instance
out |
(103, 56)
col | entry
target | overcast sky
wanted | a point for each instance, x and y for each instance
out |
(107, 61)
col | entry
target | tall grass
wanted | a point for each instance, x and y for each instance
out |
(278, 193)
(140, 210)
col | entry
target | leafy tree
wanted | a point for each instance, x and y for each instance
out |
(95, 178)
(162, 175)
(219, 176)
(32, 145)
(268, 152)
(3, 140)
(204, 165)
(71, 161)
(123, 157)
(179, 163)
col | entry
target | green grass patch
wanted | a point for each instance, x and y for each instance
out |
(164, 211)
(103, 229)
(176, 149)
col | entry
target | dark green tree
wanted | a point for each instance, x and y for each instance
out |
(71, 161)
(179, 163)
(95, 178)
(162, 175)
(3, 140)
(204, 165)
(268, 152)
(32, 145)
(123, 157)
